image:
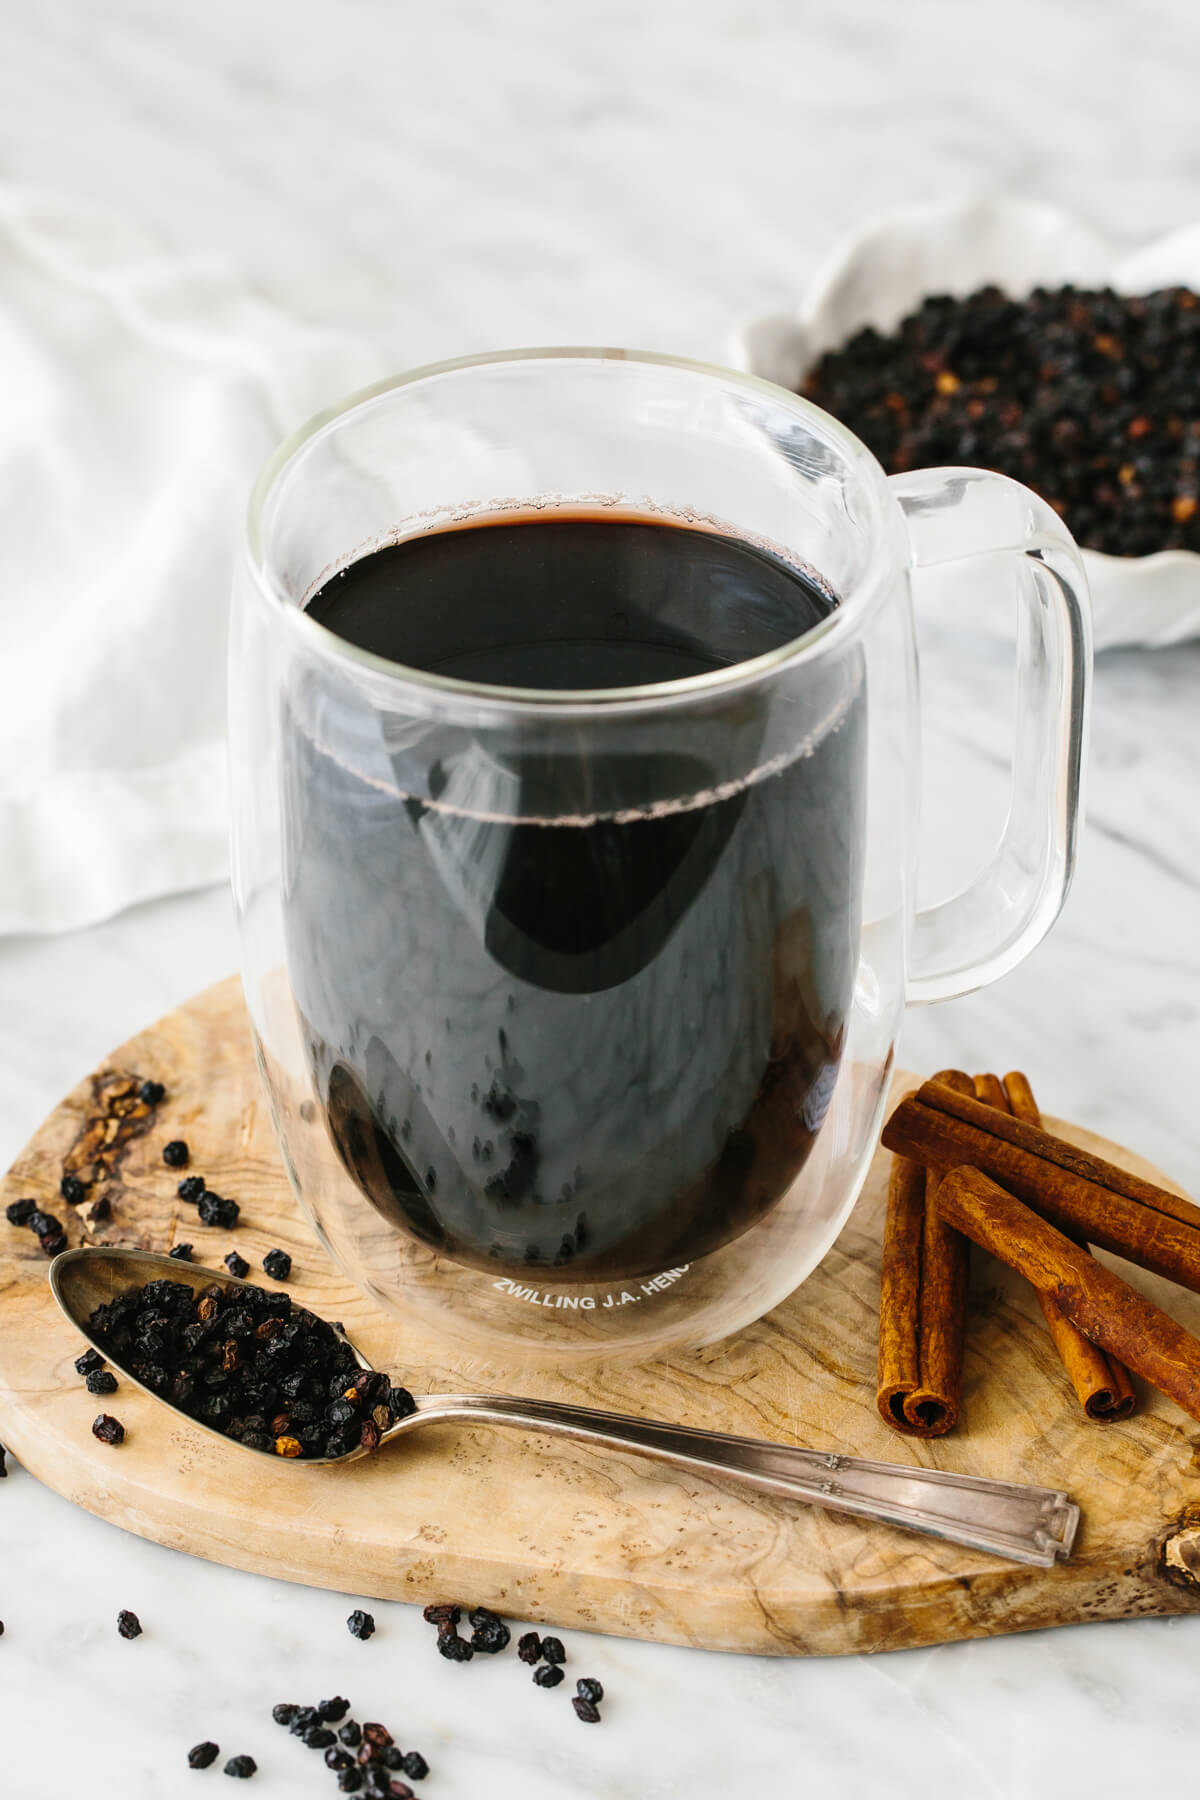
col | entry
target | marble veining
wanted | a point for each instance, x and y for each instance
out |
(455, 178)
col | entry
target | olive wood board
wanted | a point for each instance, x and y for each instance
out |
(547, 1530)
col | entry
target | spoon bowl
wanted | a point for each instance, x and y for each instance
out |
(1026, 1524)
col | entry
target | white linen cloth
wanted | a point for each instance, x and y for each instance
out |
(139, 395)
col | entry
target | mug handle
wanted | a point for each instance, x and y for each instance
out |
(960, 516)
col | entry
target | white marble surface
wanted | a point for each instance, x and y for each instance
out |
(456, 177)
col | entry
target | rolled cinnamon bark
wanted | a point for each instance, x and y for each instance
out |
(1102, 1386)
(1078, 1193)
(1111, 1314)
(922, 1302)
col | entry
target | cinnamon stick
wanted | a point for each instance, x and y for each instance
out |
(1077, 1192)
(922, 1303)
(1107, 1310)
(1101, 1385)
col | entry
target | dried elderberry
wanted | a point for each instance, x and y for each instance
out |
(379, 1735)
(552, 1650)
(215, 1210)
(588, 1688)
(191, 1188)
(72, 1189)
(442, 1612)
(153, 1093)
(547, 1675)
(237, 1265)
(54, 1245)
(203, 1755)
(181, 1252)
(278, 1264)
(284, 1713)
(360, 1624)
(44, 1224)
(100, 1381)
(586, 1709)
(350, 1780)
(415, 1766)
(351, 1733)
(333, 1710)
(490, 1634)
(108, 1429)
(175, 1154)
(337, 1759)
(19, 1212)
(529, 1647)
(319, 1737)
(91, 1359)
(128, 1624)
(453, 1647)
(241, 1767)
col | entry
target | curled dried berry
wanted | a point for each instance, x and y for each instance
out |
(399, 1790)
(100, 1381)
(368, 1436)
(367, 1754)
(442, 1612)
(454, 1648)
(91, 1359)
(72, 1189)
(333, 1710)
(284, 1713)
(202, 1755)
(237, 1265)
(108, 1429)
(215, 1210)
(288, 1446)
(491, 1635)
(552, 1650)
(379, 1735)
(241, 1767)
(128, 1624)
(586, 1709)
(351, 1733)
(400, 1403)
(588, 1688)
(415, 1766)
(278, 1264)
(547, 1674)
(529, 1647)
(391, 1757)
(175, 1154)
(153, 1093)
(191, 1188)
(181, 1252)
(360, 1624)
(304, 1720)
(338, 1759)
(53, 1245)
(350, 1780)
(44, 1224)
(319, 1737)
(19, 1212)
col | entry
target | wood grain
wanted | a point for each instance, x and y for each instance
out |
(551, 1532)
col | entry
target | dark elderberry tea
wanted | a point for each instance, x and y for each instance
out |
(576, 1004)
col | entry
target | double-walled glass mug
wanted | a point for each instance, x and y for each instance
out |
(575, 995)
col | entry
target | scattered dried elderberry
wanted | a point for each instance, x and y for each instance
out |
(529, 1647)
(191, 1188)
(552, 1650)
(175, 1154)
(586, 1709)
(547, 1675)
(400, 1402)
(202, 1755)
(391, 1757)
(237, 1265)
(415, 1766)
(588, 1688)
(278, 1264)
(284, 1713)
(19, 1212)
(350, 1780)
(319, 1737)
(181, 1252)
(241, 1767)
(91, 1359)
(108, 1429)
(379, 1735)
(100, 1381)
(333, 1710)
(351, 1733)
(72, 1189)
(336, 1758)
(152, 1092)
(360, 1624)
(44, 1224)
(442, 1612)
(489, 1634)
(303, 1719)
(54, 1245)
(128, 1624)
(215, 1210)
(453, 1647)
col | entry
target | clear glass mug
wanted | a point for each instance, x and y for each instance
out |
(642, 1136)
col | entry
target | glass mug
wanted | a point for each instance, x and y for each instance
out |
(576, 1007)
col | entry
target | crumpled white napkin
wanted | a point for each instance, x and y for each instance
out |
(139, 395)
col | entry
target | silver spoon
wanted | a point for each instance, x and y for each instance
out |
(1027, 1524)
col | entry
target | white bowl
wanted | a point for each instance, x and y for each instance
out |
(883, 271)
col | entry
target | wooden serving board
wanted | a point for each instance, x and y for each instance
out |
(548, 1531)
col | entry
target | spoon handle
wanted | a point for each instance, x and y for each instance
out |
(1027, 1524)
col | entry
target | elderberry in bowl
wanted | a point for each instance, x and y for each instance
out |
(1007, 335)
